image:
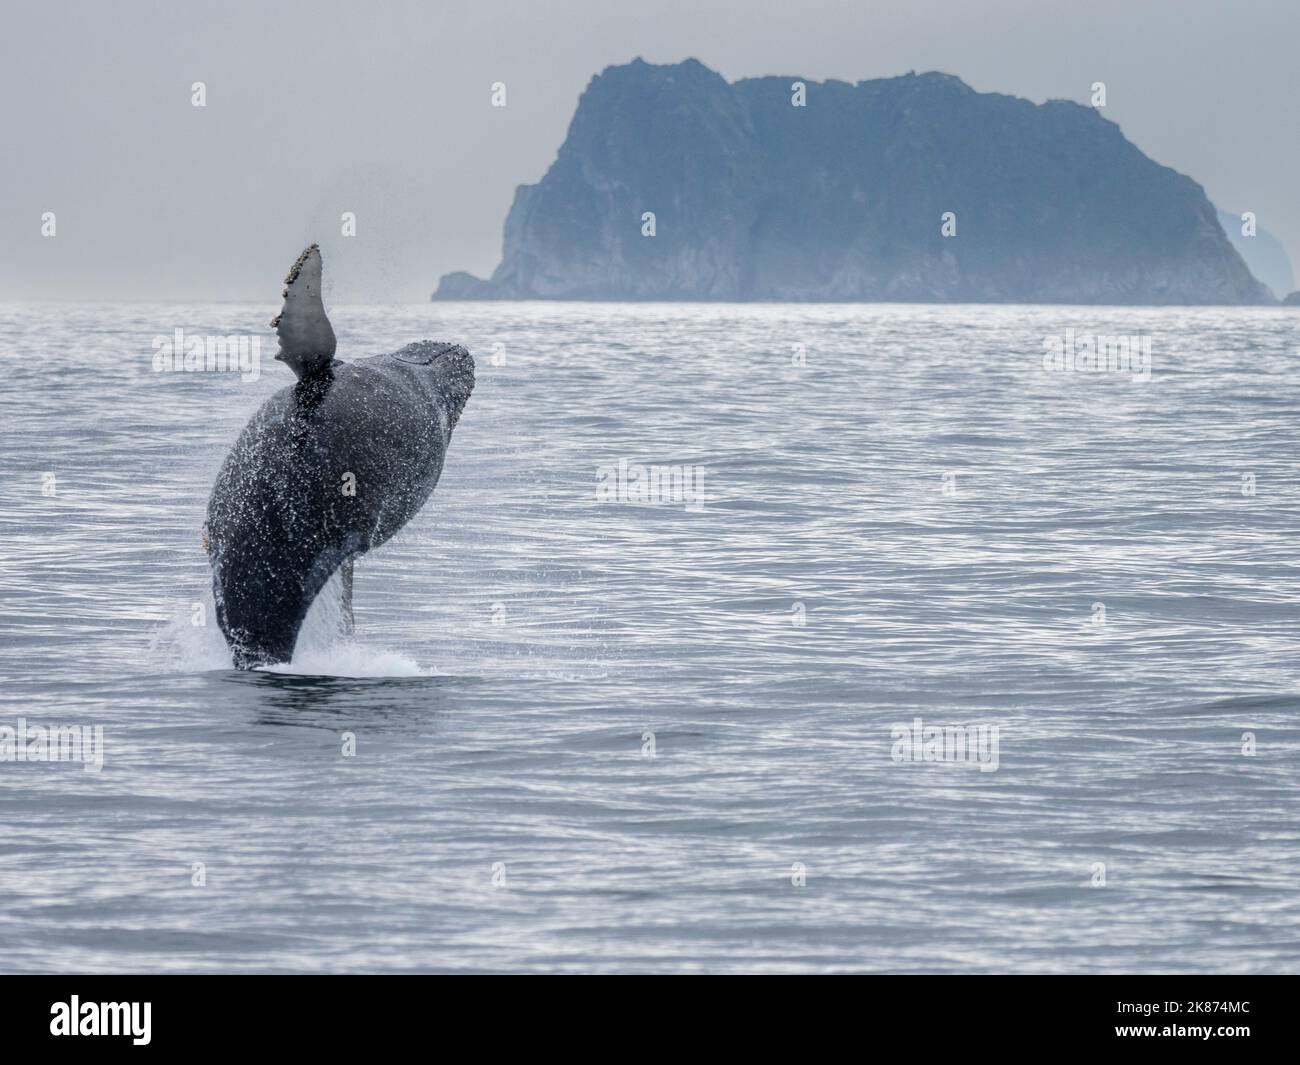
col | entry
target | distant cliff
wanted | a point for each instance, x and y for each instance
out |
(754, 198)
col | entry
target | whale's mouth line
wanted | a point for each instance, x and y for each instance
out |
(427, 352)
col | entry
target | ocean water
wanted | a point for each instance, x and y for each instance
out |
(628, 734)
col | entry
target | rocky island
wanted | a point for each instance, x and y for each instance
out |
(673, 184)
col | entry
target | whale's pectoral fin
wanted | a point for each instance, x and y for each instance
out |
(306, 337)
(345, 612)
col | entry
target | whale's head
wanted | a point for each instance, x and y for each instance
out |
(455, 370)
(307, 341)
(450, 370)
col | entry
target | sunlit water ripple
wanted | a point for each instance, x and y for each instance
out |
(519, 639)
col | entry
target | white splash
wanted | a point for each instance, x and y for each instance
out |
(190, 641)
(348, 659)
(323, 649)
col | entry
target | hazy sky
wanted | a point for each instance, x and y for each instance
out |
(383, 109)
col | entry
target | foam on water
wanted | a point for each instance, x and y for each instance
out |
(324, 648)
(189, 641)
(347, 659)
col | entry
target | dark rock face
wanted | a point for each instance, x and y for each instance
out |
(842, 199)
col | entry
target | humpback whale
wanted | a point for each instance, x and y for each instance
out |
(327, 469)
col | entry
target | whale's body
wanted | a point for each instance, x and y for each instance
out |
(326, 470)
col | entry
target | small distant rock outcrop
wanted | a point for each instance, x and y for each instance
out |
(750, 197)
(1262, 253)
(464, 286)
(1292, 300)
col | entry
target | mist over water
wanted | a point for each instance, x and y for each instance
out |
(904, 516)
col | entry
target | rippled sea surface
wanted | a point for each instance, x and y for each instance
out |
(633, 736)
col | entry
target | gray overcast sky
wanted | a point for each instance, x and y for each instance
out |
(383, 109)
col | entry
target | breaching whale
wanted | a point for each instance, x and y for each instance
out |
(326, 470)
